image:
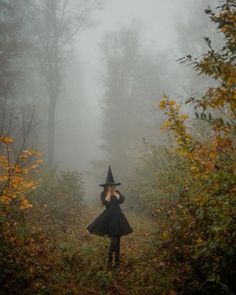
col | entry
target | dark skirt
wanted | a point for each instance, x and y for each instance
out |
(111, 221)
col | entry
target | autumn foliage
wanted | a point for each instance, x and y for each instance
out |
(193, 180)
(15, 178)
(188, 186)
(185, 231)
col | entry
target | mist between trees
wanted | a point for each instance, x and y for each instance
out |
(145, 86)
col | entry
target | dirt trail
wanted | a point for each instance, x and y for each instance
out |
(132, 247)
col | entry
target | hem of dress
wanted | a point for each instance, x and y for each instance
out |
(107, 234)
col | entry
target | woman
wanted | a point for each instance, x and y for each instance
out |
(112, 221)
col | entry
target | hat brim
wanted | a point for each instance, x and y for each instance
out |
(111, 184)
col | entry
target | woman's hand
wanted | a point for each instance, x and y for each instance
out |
(116, 194)
(108, 196)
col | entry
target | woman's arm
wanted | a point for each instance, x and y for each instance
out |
(120, 197)
(104, 200)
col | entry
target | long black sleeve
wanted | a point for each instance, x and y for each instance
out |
(104, 201)
(121, 198)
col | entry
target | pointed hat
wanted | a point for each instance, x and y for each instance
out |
(110, 179)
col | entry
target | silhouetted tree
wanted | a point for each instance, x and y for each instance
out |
(55, 24)
(132, 87)
(10, 44)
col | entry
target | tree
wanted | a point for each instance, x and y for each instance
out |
(211, 208)
(11, 45)
(192, 33)
(132, 83)
(55, 24)
(16, 162)
(121, 51)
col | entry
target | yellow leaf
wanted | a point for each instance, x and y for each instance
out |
(183, 117)
(6, 139)
(3, 178)
(171, 102)
(5, 199)
(162, 105)
(25, 204)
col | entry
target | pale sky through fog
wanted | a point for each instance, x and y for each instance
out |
(84, 87)
(158, 16)
(159, 20)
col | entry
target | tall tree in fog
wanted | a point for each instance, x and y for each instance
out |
(120, 50)
(131, 82)
(193, 35)
(55, 24)
(10, 45)
(13, 44)
(197, 26)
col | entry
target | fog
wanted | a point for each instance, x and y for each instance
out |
(117, 119)
(159, 21)
(164, 32)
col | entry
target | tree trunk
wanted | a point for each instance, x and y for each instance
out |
(51, 132)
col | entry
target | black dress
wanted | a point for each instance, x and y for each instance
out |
(112, 220)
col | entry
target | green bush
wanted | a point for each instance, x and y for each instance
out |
(60, 194)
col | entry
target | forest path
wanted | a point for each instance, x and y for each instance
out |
(95, 251)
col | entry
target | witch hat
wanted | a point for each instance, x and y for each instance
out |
(110, 179)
